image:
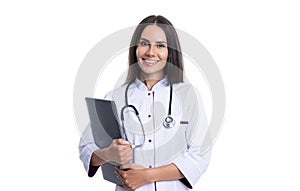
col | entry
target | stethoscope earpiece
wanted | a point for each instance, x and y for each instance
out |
(169, 122)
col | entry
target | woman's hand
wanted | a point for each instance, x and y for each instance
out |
(133, 176)
(119, 151)
(131, 166)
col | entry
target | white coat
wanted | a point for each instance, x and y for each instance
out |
(179, 145)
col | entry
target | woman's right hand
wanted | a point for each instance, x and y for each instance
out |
(119, 151)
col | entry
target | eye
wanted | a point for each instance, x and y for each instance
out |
(144, 43)
(161, 45)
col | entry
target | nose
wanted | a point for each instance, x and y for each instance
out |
(150, 51)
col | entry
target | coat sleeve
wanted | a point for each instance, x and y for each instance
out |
(86, 148)
(193, 162)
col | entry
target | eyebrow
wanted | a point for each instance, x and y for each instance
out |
(144, 39)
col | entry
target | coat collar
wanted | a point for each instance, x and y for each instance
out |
(140, 85)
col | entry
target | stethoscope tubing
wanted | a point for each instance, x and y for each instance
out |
(168, 122)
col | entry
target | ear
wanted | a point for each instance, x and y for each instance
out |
(136, 52)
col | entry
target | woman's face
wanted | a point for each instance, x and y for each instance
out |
(152, 52)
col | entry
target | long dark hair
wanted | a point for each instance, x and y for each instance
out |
(174, 66)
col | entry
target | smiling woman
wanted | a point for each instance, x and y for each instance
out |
(152, 54)
(163, 152)
(155, 39)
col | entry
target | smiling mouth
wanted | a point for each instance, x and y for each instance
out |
(150, 62)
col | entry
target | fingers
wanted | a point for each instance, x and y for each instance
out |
(118, 171)
(126, 166)
(121, 176)
(122, 142)
(131, 178)
(124, 155)
(121, 151)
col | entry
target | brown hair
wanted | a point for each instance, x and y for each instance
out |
(174, 66)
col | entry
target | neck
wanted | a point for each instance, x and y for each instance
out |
(150, 81)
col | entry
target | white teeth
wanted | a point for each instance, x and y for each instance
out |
(151, 61)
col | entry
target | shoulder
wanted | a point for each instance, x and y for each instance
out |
(188, 92)
(184, 87)
(116, 92)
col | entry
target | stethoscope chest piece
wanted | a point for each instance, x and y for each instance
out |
(169, 122)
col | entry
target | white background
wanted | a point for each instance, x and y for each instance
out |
(255, 44)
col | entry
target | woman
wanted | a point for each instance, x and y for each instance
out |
(164, 152)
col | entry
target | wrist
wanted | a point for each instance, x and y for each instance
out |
(151, 176)
(104, 155)
(99, 157)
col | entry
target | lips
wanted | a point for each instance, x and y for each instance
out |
(150, 61)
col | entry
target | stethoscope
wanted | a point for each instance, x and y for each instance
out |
(168, 122)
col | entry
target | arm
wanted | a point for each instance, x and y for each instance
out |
(138, 176)
(168, 172)
(92, 156)
(187, 168)
(194, 161)
(97, 158)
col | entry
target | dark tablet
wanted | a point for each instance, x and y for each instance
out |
(105, 128)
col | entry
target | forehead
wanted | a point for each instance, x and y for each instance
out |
(154, 33)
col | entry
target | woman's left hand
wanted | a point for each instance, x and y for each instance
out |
(133, 176)
(131, 166)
